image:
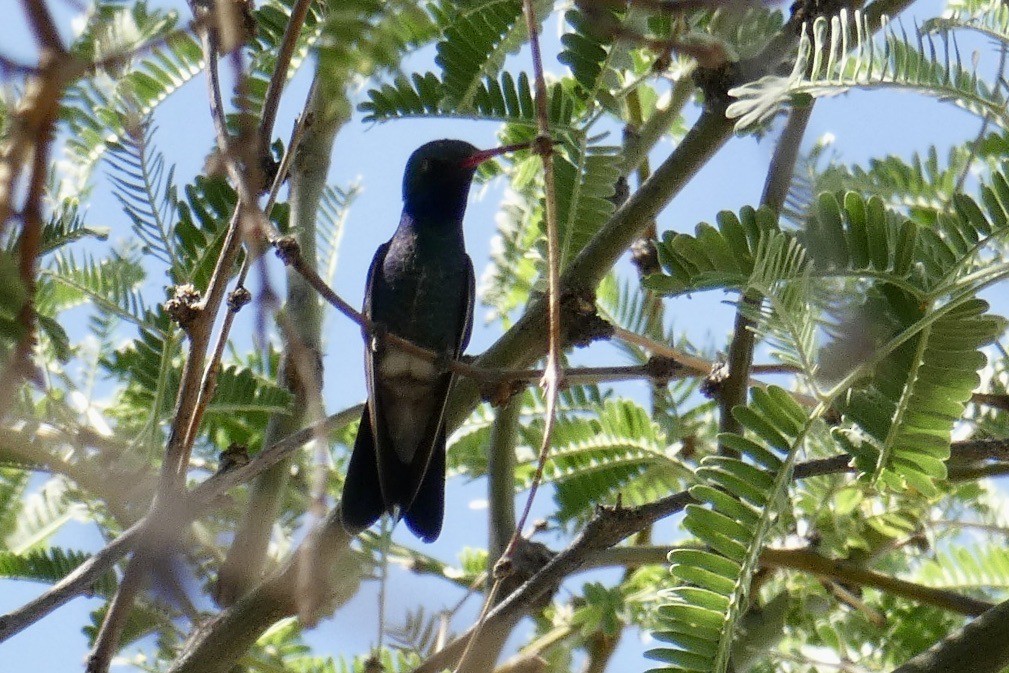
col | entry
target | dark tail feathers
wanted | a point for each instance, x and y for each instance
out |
(361, 503)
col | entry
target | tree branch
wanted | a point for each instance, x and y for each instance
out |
(810, 561)
(242, 568)
(979, 647)
(200, 500)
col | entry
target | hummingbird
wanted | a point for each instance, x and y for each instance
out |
(420, 287)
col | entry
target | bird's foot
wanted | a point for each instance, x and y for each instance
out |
(379, 334)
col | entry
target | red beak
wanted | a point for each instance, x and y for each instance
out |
(478, 158)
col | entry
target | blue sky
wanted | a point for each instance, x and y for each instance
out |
(863, 125)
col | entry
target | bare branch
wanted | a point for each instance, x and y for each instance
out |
(200, 500)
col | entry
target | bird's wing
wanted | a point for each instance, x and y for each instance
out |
(363, 500)
(375, 415)
(433, 439)
(469, 300)
(424, 510)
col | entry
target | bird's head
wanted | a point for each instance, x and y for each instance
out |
(438, 176)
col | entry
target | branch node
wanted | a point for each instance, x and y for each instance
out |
(288, 250)
(184, 306)
(236, 455)
(662, 369)
(581, 323)
(542, 145)
(238, 298)
(503, 569)
(527, 559)
(715, 84)
(498, 393)
(711, 387)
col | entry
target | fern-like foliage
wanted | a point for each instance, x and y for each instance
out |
(839, 54)
(712, 258)
(922, 371)
(979, 570)
(477, 36)
(103, 108)
(367, 37)
(334, 206)
(594, 58)
(40, 516)
(737, 503)
(923, 184)
(243, 400)
(147, 193)
(584, 181)
(67, 226)
(990, 18)
(13, 484)
(506, 99)
(50, 565)
(419, 633)
(202, 223)
(920, 390)
(111, 284)
(271, 19)
(515, 257)
(620, 451)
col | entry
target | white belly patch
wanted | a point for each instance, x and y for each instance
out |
(407, 385)
(396, 364)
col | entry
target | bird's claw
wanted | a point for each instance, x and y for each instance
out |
(379, 332)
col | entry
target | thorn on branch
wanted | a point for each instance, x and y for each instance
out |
(288, 250)
(238, 298)
(184, 306)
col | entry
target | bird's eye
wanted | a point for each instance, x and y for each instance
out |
(425, 165)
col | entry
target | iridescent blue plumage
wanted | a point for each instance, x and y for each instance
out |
(420, 287)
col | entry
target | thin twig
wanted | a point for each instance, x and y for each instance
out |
(733, 390)
(810, 561)
(995, 401)
(107, 641)
(553, 376)
(271, 102)
(200, 500)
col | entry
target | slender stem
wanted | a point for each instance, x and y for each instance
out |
(41, 20)
(810, 561)
(302, 323)
(733, 390)
(203, 498)
(271, 103)
(501, 479)
(554, 368)
(107, 641)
